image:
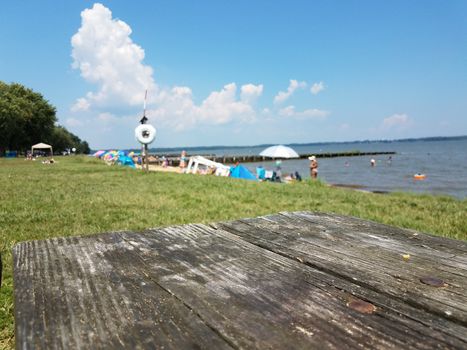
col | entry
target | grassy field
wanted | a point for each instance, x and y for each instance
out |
(81, 196)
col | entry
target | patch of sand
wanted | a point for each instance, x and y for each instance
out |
(168, 169)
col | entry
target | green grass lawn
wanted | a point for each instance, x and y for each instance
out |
(81, 196)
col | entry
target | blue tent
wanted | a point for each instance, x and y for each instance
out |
(125, 160)
(240, 172)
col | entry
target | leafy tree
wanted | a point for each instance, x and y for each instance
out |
(27, 118)
(83, 148)
(63, 140)
(60, 139)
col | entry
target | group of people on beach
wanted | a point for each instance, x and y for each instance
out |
(278, 173)
(294, 176)
(313, 165)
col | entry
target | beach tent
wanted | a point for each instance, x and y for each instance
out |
(240, 172)
(123, 159)
(42, 146)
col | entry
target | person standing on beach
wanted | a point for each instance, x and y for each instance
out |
(313, 167)
(372, 162)
(278, 170)
(183, 160)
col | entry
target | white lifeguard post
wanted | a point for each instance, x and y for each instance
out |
(145, 134)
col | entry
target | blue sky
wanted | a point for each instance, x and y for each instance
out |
(243, 72)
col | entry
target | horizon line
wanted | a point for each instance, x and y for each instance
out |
(426, 138)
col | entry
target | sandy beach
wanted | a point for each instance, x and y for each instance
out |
(167, 169)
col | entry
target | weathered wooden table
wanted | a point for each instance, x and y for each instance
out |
(286, 281)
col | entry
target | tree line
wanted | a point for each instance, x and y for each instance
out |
(26, 118)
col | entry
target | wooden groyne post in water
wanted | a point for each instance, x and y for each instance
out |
(174, 160)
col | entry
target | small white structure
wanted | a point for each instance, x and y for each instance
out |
(196, 161)
(42, 146)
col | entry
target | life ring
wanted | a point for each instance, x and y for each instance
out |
(419, 177)
(145, 134)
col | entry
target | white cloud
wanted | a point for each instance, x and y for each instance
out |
(106, 117)
(249, 92)
(81, 105)
(177, 109)
(317, 87)
(284, 95)
(288, 111)
(106, 56)
(221, 106)
(344, 126)
(312, 113)
(399, 121)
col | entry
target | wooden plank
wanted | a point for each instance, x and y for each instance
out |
(259, 299)
(259, 283)
(370, 255)
(91, 293)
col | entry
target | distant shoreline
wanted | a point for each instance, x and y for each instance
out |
(207, 148)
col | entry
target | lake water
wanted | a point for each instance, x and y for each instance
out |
(443, 162)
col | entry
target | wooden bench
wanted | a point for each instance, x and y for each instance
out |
(286, 281)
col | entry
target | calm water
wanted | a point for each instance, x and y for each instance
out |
(443, 162)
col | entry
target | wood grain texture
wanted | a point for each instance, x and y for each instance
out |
(93, 293)
(291, 280)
